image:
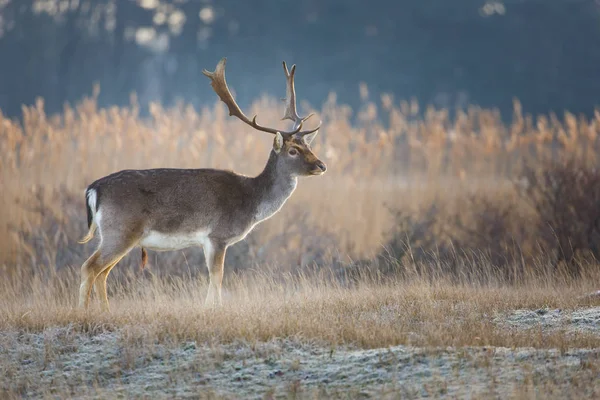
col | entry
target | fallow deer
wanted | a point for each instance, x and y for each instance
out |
(171, 209)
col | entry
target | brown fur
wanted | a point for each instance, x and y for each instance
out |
(144, 258)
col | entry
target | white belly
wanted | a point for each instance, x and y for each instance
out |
(165, 242)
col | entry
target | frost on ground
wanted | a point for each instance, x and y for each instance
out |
(582, 320)
(65, 362)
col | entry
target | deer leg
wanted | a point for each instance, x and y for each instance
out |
(100, 289)
(89, 271)
(215, 259)
(98, 266)
(100, 285)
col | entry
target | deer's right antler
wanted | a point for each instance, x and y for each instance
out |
(290, 102)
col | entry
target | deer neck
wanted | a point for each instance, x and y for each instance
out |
(274, 185)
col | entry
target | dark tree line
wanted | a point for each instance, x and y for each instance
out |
(546, 53)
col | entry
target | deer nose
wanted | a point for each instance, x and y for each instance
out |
(321, 165)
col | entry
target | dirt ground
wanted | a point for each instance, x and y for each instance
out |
(62, 361)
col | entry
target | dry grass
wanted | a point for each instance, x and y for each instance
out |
(259, 307)
(282, 336)
(389, 156)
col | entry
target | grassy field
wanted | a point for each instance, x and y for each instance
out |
(289, 336)
(442, 255)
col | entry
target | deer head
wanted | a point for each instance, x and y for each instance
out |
(292, 148)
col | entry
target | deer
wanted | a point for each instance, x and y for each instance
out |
(167, 209)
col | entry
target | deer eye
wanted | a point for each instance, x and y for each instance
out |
(293, 152)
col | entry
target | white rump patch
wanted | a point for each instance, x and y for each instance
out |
(92, 197)
(98, 217)
(159, 241)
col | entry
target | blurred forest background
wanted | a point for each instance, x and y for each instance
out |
(445, 53)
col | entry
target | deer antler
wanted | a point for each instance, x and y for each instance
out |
(290, 102)
(220, 87)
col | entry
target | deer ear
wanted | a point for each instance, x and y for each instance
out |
(309, 138)
(278, 143)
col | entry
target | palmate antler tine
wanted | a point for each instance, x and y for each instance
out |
(290, 103)
(290, 96)
(219, 84)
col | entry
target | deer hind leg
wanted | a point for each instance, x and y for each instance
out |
(100, 285)
(214, 254)
(96, 269)
(100, 289)
(89, 270)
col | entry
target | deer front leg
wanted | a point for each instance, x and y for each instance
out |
(214, 254)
